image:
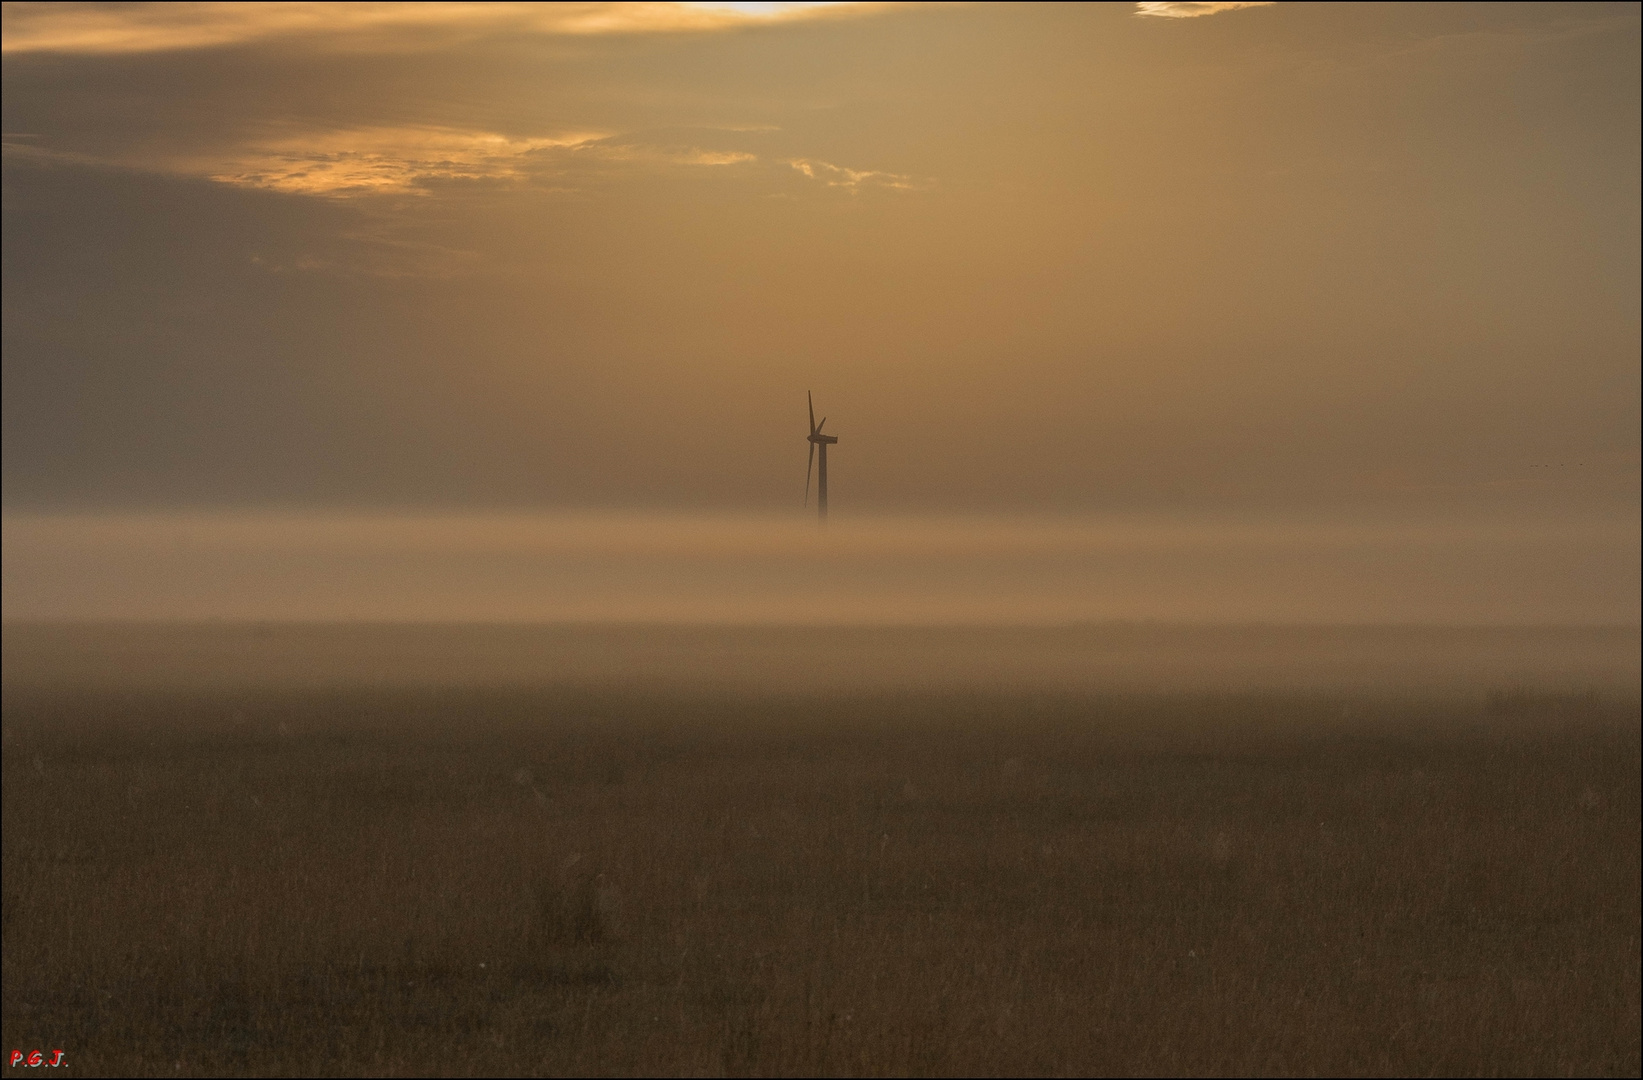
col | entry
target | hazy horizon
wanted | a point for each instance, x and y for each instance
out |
(783, 570)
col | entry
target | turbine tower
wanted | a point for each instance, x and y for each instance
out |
(817, 440)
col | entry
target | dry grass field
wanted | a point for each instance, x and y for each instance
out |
(546, 881)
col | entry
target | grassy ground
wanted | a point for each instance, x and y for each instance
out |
(579, 882)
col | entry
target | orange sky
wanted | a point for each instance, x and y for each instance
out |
(1280, 259)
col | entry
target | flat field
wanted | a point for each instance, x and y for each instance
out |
(544, 880)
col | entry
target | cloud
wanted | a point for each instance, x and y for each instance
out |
(379, 160)
(852, 179)
(155, 27)
(373, 251)
(18, 145)
(400, 160)
(1193, 10)
(666, 155)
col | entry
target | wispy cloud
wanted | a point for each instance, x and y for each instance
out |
(1193, 10)
(374, 251)
(666, 155)
(402, 160)
(379, 160)
(417, 160)
(155, 27)
(852, 179)
(23, 146)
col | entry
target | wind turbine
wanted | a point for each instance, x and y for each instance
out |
(817, 440)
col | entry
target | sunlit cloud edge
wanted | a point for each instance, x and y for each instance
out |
(95, 29)
(1171, 9)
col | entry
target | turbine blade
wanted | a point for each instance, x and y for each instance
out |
(819, 426)
(811, 401)
(807, 469)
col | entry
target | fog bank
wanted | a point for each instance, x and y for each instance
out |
(723, 569)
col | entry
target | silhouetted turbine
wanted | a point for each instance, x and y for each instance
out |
(817, 439)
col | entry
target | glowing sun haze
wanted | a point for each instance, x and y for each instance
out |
(1338, 301)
